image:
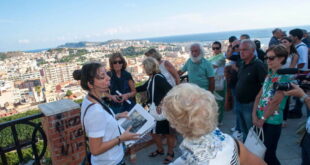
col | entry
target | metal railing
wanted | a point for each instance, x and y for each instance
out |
(20, 144)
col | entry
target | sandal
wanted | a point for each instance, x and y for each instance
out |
(169, 158)
(156, 153)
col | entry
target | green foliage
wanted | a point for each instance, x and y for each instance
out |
(12, 157)
(2, 56)
(68, 93)
(79, 101)
(41, 62)
(24, 133)
(133, 51)
(20, 115)
(74, 53)
(139, 83)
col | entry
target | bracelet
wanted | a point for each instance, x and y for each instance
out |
(302, 99)
(263, 118)
(119, 140)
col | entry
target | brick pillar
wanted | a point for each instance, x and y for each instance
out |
(64, 132)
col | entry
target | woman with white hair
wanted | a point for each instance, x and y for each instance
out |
(192, 111)
(161, 88)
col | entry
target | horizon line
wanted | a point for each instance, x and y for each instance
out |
(153, 37)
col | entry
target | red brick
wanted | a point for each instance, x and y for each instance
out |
(75, 112)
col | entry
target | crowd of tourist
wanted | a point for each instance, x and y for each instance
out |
(240, 78)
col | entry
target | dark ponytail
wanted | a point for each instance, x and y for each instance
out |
(87, 74)
(77, 74)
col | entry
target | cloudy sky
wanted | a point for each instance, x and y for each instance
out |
(36, 24)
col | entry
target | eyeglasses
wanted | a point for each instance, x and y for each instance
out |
(236, 47)
(216, 48)
(99, 77)
(271, 58)
(284, 42)
(119, 62)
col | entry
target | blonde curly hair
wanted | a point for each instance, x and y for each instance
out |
(191, 110)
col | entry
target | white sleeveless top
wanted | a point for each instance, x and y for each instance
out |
(288, 61)
(215, 148)
(167, 74)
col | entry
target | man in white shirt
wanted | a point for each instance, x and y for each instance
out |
(296, 35)
(302, 49)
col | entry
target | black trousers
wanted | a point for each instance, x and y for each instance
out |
(305, 149)
(272, 135)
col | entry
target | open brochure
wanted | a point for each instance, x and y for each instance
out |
(140, 121)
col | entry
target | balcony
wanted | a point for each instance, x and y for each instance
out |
(24, 137)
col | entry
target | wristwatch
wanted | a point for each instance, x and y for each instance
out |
(263, 118)
(302, 99)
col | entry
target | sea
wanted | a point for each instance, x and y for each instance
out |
(263, 35)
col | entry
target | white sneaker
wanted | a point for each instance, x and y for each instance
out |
(233, 129)
(238, 135)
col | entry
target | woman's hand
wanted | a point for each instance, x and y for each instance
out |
(158, 109)
(129, 135)
(124, 97)
(116, 98)
(260, 123)
(122, 115)
(254, 120)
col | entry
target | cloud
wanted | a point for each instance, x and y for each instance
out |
(24, 41)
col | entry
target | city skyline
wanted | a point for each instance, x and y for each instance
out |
(35, 24)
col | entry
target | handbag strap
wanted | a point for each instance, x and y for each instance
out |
(260, 133)
(106, 108)
(153, 85)
(85, 137)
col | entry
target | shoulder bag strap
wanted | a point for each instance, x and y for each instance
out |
(105, 107)
(85, 136)
(153, 84)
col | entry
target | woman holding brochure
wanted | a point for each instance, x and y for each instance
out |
(161, 88)
(99, 121)
(122, 89)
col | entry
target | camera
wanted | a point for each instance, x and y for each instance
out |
(282, 86)
(302, 78)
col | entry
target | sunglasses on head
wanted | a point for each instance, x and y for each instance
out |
(119, 62)
(216, 48)
(271, 58)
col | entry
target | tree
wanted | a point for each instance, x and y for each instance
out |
(38, 90)
(69, 93)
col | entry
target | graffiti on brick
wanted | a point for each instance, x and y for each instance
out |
(70, 148)
(69, 129)
(61, 125)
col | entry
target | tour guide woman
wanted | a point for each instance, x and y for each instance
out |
(105, 140)
(270, 103)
